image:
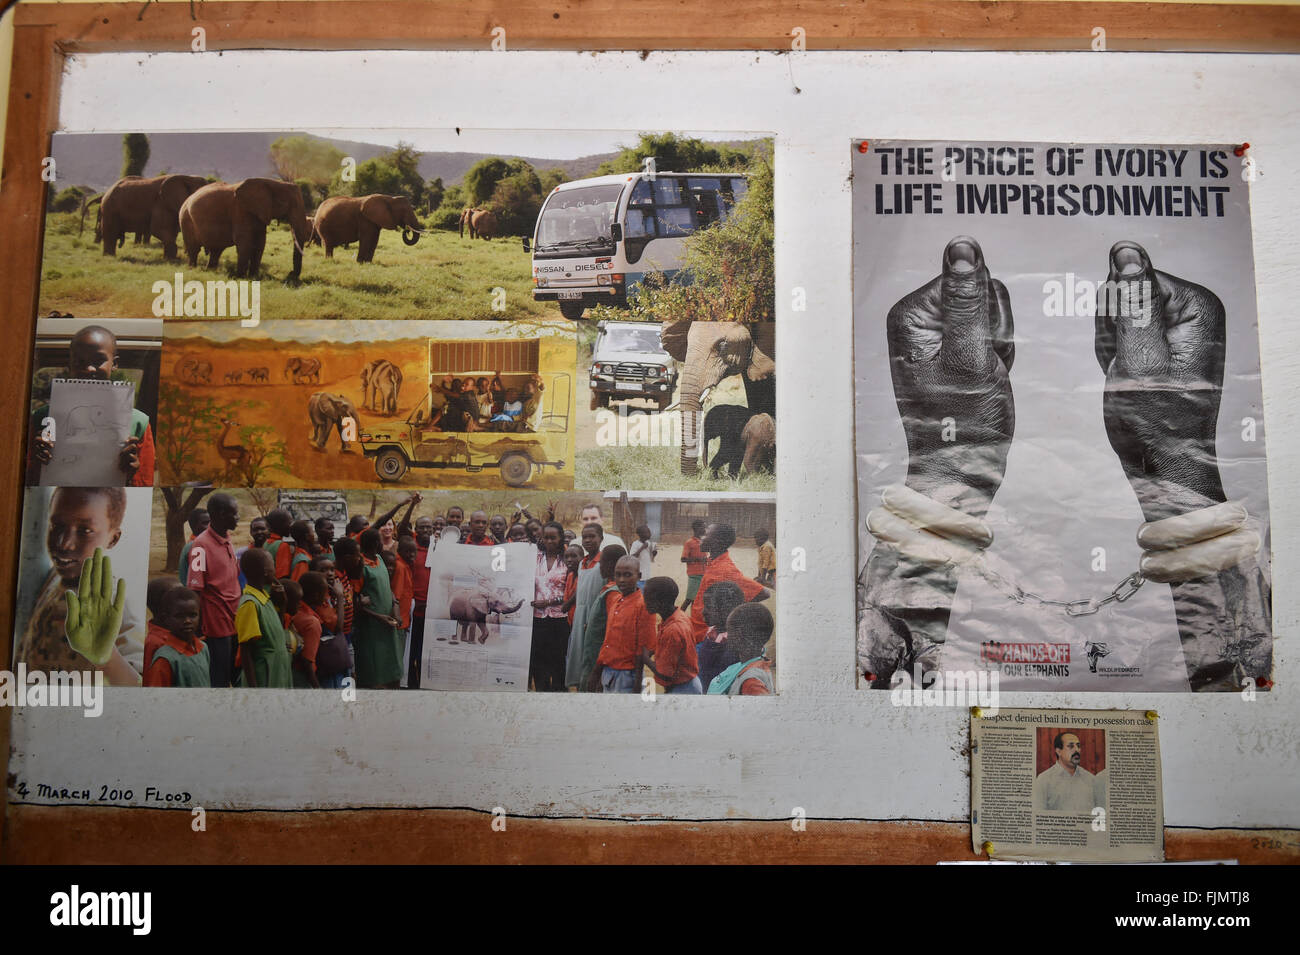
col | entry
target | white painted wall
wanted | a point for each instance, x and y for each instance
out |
(821, 745)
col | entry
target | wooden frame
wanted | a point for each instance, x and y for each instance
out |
(45, 33)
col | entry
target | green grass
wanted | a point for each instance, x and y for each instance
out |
(655, 469)
(442, 277)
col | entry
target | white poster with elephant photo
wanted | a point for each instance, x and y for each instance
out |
(1060, 441)
(478, 629)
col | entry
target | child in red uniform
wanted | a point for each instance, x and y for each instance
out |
(629, 631)
(174, 654)
(748, 629)
(572, 560)
(718, 539)
(673, 661)
(696, 560)
(307, 622)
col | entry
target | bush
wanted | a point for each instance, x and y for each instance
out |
(729, 268)
(69, 199)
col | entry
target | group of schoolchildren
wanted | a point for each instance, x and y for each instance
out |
(714, 642)
(298, 608)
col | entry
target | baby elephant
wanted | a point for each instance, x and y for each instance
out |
(747, 441)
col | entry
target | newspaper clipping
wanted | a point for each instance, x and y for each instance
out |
(1067, 785)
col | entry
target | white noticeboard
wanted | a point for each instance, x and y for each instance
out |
(820, 744)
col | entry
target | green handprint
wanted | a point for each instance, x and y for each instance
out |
(94, 612)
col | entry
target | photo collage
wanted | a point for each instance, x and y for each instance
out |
(528, 447)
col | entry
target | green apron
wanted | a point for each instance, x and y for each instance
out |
(271, 664)
(379, 648)
(187, 669)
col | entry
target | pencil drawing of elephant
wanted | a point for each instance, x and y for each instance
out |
(471, 607)
(381, 380)
(709, 353)
(342, 220)
(87, 418)
(143, 207)
(192, 371)
(304, 370)
(331, 412)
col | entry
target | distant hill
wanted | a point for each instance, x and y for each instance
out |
(95, 159)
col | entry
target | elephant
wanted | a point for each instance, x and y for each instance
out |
(194, 372)
(142, 207)
(259, 374)
(470, 608)
(328, 411)
(759, 438)
(710, 352)
(304, 370)
(382, 380)
(482, 223)
(341, 220)
(726, 423)
(224, 214)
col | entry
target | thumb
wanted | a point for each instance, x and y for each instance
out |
(1135, 308)
(964, 301)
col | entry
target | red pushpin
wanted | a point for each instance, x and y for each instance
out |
(1241, 150)
(864, 146)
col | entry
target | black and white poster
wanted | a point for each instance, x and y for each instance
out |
(1060, 443)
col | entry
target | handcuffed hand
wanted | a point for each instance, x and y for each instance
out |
(1160, 341)
(950, 348)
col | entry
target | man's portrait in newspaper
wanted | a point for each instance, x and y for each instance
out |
(1071, 766)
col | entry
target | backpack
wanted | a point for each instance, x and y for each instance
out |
(727, 684)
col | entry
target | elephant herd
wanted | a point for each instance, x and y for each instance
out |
(236, 377)
(214, 216)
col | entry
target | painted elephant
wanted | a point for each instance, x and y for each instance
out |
(193, 371)
(142, 207)
(482, 223)
(341, 220)
(261, 373)
(710, 352)
(224, 214)
(470, 608)
(329, 411)
(381, 380)
(304, 370)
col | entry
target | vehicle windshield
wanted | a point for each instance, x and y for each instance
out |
(628, 340)
(578, 220)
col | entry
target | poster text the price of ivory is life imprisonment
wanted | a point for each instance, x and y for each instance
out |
(1059, 419)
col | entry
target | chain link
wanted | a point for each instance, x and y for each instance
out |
(1083, 607)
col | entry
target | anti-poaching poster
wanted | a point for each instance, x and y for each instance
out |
(1059, 420)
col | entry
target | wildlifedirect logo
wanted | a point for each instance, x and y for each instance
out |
(235, 298)
(57, 688)
(75, 907)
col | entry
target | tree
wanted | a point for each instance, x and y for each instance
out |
(674, 154)
(135, 154)
(264, 455)
(550, 178)
(180, 505)
(188, 424)
(305, 157)
(69, 199)
(516, 200)
(433, 193)
(731, 265)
